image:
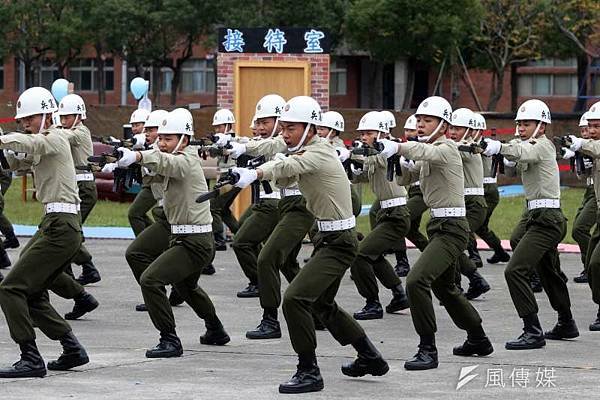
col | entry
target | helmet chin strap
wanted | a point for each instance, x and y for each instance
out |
(465, 135)
(176, 149)
(329, 133)
(274, 128)
(535, 132)
(75, 122)
(427, 139)
(301, 142)
(43, 123)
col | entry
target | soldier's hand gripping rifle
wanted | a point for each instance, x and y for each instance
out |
(124, 178)
(393, 163)
(208, 147)
(231, 178)
(577, 162)
(497, 166)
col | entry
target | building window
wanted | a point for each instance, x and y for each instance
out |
(197, 76)
(556, 77)
(48, 73)
(338, 76)
(83, 74)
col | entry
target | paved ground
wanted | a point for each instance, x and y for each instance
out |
(116, 337)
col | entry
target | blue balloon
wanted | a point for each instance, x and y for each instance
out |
(60, 88)
(139, 87)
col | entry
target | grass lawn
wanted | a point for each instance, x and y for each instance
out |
(107, 213)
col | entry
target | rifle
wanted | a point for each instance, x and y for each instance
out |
(497, 166)
(124, 178)
(576, 163)
(231, 178)
(393, 163)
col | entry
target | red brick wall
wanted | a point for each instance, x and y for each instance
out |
(319, 74)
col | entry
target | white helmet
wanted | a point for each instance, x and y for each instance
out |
(270, 105)
(333, 120)
(436, 106)
(583, 120)
(72, 104)
(223, 116)
(139, 115)
(301, 109)
(177, 122)
(463, 117)
(253, 123)
(389, 118)
(534, 110)
(479, 121)
(411, 123)
(594, 112)
(155, 118)
(373, 121)
(35, 100)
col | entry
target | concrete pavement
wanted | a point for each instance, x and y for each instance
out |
(116, 338)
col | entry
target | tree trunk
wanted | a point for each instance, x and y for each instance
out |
(175, 82)
(410, 84)
(582, 81)
(514, 86)
(375, 97)
(497, 90)
(100, 83)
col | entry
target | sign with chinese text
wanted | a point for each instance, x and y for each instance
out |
(274, 40)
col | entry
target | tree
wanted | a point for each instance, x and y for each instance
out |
(414, 29)
(510, 32)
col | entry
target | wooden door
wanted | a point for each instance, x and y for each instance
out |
(252, 81)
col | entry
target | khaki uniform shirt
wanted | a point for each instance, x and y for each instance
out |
(321, 179)
(592, 149)
(441, 171)
(536, 163)
(80, 139)
(52, 164)
(183, 182)
(375, 171)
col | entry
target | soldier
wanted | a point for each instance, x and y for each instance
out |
(460, 129)
(586, 213)
(393, 222)
(144, 201)
(191, 245)
(24, 292)
(323, 182)
(264, 216)
(442, 182)
(223, 121)
(492, 198)
(591, 147)
(72, 113)
(535, 239)
(10, 240)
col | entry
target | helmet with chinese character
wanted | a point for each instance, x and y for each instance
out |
(223, 116)
(139, 115)
(594, 112)
(270, 105)
(464, 118)
(411, 123)
(155, 118)
(303, 109)
(534, 110)
(72, 104)
(479, 121)
(35, 100)
(389, 118)
(177, 122)
(436, 106)
(583, 122)
(333, 120)
(373, 121)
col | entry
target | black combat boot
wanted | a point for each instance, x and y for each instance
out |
(73, 354)
(220, 243)
(168, 346)
(84, 303)
(474, 256)
(249, 291)
(535, 283)
(11, 242)
(477, 286)
(532, 336)
(371, 310)
(426, 357)
(369, 360)
(565, 328)
(307, 377)
(477, 343)
(499, 256)
(399, 301)
(89, 274)
(595, 326)
(582, 278)
(31, 364)
(209, 270)
(215, 333)
(174, 298)
(402, 265)
(4, 259)
(268, 328)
